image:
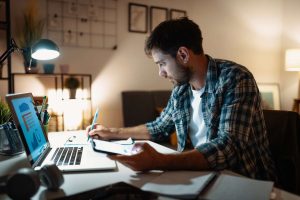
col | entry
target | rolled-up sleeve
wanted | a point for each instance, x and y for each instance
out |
(163, 125)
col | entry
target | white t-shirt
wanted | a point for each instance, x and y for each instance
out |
(197, 126)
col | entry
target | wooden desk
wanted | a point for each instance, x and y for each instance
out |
(79, 182)
(296, 105)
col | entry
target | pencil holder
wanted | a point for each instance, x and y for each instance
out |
(10, 141)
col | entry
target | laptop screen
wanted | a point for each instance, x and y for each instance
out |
(32, 132)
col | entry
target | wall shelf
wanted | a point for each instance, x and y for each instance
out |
(58, 102)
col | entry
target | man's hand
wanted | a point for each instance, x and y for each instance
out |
(144, 158)
(102, 132)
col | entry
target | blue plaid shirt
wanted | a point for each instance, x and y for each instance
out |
(231, 106)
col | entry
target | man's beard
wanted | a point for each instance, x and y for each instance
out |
(183, 75)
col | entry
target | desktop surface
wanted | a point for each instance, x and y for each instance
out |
(85, 181)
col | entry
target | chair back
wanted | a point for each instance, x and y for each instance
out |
(283, 128)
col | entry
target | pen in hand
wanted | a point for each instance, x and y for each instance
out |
(94, 121)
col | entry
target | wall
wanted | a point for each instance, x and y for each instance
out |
(253, 33)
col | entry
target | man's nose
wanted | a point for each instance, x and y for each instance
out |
(162, 73)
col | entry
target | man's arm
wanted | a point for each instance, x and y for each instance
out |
(136, 132)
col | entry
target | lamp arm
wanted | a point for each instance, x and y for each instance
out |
(12, 48)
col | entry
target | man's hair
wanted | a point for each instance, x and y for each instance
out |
(169, 35)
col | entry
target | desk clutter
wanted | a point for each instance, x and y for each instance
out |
(185, 185)
(25, 182)
(10, 143)
(42, 112)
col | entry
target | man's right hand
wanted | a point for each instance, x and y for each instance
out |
(102, 132)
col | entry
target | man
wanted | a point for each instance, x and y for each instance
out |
(215, 103)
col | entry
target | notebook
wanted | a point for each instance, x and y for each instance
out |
(37, 146)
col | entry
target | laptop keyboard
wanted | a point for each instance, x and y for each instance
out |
(67, 156)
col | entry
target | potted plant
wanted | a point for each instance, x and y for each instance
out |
(31, 31)
(72, 83)
(5, 114)
(10, 142)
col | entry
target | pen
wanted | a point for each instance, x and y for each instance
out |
(43, 104)
(94, 121)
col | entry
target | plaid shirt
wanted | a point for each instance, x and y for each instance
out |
(231, 106)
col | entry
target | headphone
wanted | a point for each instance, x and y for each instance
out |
(24, 183)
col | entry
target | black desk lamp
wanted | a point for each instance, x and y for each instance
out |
(43, 49)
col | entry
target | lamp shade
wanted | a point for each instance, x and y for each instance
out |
(44, 49)
(292, 60)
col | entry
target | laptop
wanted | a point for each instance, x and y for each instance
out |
(37, 147)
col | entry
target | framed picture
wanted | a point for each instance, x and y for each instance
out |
(157, 15)
(270, 95)
(137, 18)
(175, 14)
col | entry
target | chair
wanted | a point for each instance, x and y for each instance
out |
(283, 128)
(141, 106)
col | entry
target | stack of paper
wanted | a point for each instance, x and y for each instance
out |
(180, 184)
(236, 188)
(189, 184)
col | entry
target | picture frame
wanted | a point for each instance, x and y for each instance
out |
(175, 13)
(157, 15)
(270, 95)
(137, 18)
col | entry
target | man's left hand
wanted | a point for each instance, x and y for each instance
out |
(144, 158)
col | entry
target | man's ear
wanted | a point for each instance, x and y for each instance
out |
(183, 55)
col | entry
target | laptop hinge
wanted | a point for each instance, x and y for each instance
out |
(42, 158)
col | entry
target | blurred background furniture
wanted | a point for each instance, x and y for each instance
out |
(283, 129)
(296, 106)
(142, 106)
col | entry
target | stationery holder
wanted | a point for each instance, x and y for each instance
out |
(10, 141)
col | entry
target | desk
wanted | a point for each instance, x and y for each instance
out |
(79, 182)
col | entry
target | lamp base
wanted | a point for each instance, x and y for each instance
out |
(31, 70)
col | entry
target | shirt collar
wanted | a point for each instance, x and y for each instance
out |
(211, 75)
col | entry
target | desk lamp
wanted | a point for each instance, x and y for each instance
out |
(292, 62)
(43, 49)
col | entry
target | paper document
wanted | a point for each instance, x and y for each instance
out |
(180, 184)
(236, 188)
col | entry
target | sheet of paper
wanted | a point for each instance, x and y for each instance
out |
(181, 184)
(236, 188)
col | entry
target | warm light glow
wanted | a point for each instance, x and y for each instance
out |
(81, 94)
(73, 113)
(292, 60)
(72, 109)
(45, 54)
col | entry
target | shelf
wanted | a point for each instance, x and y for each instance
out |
(52, 74)
(56, 82)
